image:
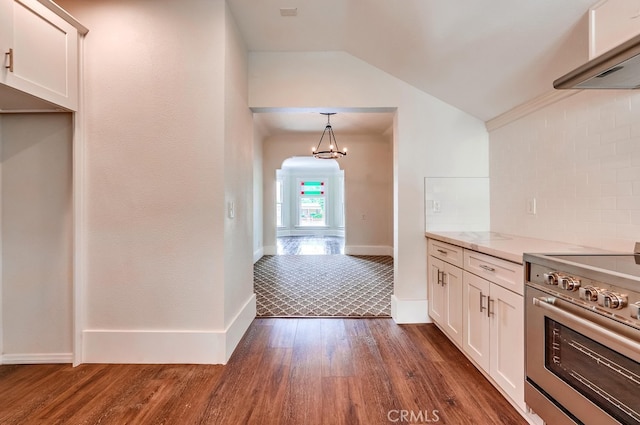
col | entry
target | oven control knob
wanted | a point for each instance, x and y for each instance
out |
(569, 283)
(551, 278)
(612, 300)
(635, 310)
(589, 293)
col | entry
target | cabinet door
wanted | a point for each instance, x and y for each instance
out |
(507, 342)
(436, 291)
(6, 19)
(44, 59)
(476, 328)
(453, 297)
(611, 23)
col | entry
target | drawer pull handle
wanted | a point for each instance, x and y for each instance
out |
(442, 251)
(10, 54)
(487, 268)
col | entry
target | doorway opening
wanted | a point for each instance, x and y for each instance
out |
(310, 207)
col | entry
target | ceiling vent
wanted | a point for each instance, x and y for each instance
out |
(288, 11)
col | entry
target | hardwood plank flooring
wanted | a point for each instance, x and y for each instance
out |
(284, 372)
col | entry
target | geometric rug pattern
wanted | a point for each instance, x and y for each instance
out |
(323, 285)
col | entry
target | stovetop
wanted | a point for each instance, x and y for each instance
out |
(626, 264)
(608, 284)
(621, 270)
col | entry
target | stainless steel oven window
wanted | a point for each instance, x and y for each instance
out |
(607, 378)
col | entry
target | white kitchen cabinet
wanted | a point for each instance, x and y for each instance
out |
(507, 342)
(612, 22)
(493, 333)
(445, 293)
(436, 290)
(39, 51)
(504, 273)
(445, 289)
(476, 334)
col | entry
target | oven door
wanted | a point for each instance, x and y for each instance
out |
(583, 364)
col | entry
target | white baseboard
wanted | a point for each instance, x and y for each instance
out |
(239, 325)
(165, 347)
(409, 311)
(258, 254)
(270, 250)
(368, 250)
(39, 358)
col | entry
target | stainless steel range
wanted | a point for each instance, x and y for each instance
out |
(583, 338)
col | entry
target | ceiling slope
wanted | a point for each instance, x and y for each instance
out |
(481, 57)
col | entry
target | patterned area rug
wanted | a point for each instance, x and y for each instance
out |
(323, 286)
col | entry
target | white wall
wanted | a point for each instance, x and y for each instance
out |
(168, 137)
(258, 193)
(580, 159)
(368, 187)
(239, 300)
(36, 238)
(457, 204)
(431, 138)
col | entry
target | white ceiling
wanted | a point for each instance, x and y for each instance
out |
(343, 122)
(484, 57)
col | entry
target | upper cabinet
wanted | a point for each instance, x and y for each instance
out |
(39, 46)
(612, 22)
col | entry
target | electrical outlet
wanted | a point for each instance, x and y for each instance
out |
(436, 207)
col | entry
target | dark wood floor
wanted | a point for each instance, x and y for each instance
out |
(285, 371)
(309, 245)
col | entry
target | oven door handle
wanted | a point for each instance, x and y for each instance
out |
(548, 304)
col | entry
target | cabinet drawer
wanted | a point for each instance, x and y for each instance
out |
(452, 254)
(502, 272)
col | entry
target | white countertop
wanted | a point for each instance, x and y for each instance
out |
(505, 246)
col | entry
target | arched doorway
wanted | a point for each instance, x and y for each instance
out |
(310, 207)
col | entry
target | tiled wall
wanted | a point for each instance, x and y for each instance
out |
(580, 159)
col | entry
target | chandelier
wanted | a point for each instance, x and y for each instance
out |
(334, 151)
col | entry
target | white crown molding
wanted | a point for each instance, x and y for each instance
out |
(528, 107)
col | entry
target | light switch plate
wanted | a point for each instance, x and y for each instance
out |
(232, 209)
(531, 206)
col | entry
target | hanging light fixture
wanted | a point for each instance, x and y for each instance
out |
(334, 151)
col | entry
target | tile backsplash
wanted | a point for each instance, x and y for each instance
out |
(578, 162)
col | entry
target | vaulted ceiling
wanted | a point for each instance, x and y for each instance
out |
(483, 57)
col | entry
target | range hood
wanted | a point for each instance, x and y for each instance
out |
(619, 68)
